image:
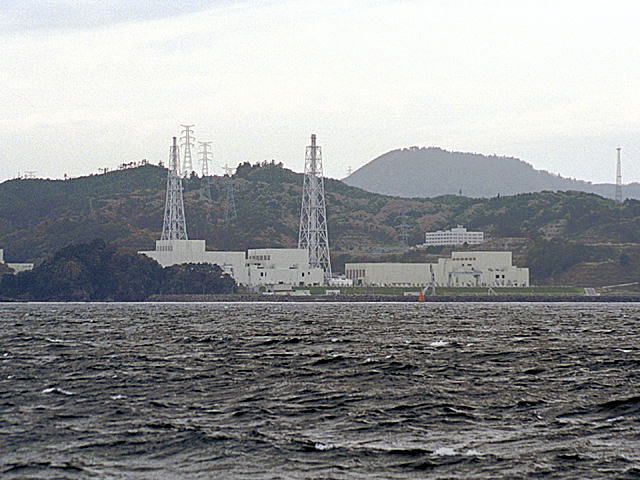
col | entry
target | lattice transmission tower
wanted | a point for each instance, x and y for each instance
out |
(187, 144)
(230, 212)
(402, 228)
(174, 225)
(619, 178)
(205, 157)
(313, 235)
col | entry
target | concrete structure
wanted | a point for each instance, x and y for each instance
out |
(455, 236)
(16, 267)
(176, 252)
(282, 266)
(259, 267)
(463, 269)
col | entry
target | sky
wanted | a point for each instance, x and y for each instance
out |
(90, 84)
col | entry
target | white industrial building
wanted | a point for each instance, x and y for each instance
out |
(463, 269)
(16, 267)
(258, 267)
(455, 236)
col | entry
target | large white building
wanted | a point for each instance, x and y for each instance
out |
(268, 266)
(455, 236)
(16, 267)
(463, 269)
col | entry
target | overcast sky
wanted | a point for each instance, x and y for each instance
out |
(89, 84)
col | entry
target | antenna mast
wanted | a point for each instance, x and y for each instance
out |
(187, 144)
(313, 235)
(174, 225)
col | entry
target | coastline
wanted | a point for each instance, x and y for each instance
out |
(397, 298)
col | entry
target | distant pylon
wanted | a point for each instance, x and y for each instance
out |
(205, 157)
(174, 225)
(313, 235)
(230, 213)
(403, 230)
(619, 178)
(187, 144)
(349, 171)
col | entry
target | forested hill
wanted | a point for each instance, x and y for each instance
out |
(429, 172)
(125, 207)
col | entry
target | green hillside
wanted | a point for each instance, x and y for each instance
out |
(565, 237)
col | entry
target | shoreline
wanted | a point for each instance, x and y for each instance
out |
(397, 298)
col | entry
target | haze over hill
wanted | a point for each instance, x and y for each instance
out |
(429, 172)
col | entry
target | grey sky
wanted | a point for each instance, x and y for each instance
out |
(88, 84)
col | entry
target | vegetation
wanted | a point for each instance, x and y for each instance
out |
(97, 272)
(563, 237)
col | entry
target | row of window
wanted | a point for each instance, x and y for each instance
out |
(260, 258)
(355, 273)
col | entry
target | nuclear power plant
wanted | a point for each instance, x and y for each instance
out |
(307, 265)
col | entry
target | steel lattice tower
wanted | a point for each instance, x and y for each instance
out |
(174, 225)
(403, 230)
(187, 144)
(205, 157)
(619, 178)
(314, 235)
(230, 199)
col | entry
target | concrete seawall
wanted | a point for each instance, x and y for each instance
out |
(392, 298)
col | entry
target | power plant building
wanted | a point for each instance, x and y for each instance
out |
(455, 236)
(258, 267)
(463, 269)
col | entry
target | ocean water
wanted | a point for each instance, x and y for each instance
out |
(318, 391)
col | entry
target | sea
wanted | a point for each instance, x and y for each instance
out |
(320, 391)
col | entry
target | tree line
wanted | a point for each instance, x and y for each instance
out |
(97, 271)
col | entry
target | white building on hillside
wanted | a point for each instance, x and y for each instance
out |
(455, 236)
(269, 266)
(16, 267)
(463, 269)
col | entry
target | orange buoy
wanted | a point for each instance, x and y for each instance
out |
(421, 297)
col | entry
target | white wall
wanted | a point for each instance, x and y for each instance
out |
(265, 266)
(463, 269)
(176, 252)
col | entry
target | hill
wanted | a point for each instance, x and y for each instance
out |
(429, 172)
(564, 237)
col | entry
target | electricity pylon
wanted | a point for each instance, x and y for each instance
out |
(619, 178)
(174, 225)
(205, 157)
(230, 213)
(187, 144)
(313, 234)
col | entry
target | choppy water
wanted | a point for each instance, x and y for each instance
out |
(320, 391)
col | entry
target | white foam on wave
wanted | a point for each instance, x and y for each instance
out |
(439, 343)
(57, 390)
(445, 452)
(324, 446)
(118, 397)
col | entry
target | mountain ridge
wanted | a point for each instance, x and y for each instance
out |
(551, 232)
(424, 172)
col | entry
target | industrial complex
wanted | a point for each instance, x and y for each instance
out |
(309, 265)
(463, 269)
